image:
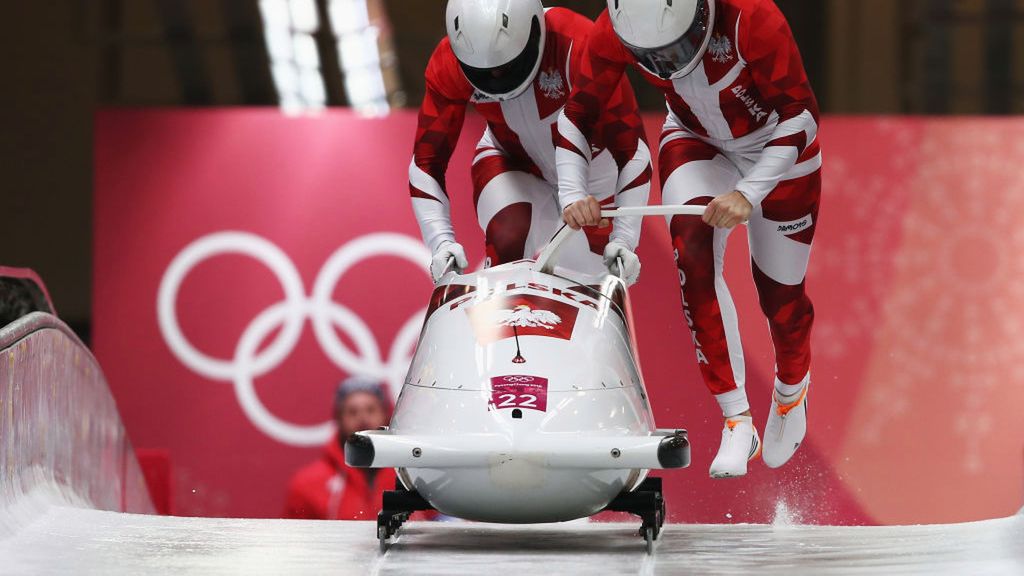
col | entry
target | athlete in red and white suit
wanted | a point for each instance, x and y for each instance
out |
(514, 173)
(741, 127)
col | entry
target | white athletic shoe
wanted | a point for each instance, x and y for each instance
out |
(740, 444)
(787, 425)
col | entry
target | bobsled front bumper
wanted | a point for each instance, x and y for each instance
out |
(663, 449)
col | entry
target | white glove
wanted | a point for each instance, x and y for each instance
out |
(446, 251)
(616, 251)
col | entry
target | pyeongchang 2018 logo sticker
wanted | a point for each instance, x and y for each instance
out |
(287, 318)
(530, 392)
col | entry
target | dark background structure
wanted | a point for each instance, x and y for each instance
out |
(66, 58)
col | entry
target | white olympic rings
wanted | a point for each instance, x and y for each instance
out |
(290, 316)
(518, 379)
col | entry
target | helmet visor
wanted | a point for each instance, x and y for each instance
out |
(507, 77)
(665, 61)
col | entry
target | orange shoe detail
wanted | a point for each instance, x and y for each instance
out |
(783, 409)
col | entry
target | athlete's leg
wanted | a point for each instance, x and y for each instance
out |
(517, 210)
(693, 172)
(780, 232)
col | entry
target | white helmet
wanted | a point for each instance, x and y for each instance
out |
(668, 37)
(498, 43)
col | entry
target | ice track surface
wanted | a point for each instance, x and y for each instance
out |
(78, 541)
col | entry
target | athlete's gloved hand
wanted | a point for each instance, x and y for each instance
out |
(444, 252)
(616, 251)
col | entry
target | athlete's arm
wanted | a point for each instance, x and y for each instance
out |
(440, 123)
(599, 72)
(621, 131)
(768, 46)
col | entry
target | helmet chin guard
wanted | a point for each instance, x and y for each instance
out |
(498, 43)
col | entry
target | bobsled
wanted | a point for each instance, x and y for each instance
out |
(525, 403)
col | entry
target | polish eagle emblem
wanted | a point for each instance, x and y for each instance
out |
(551, 84)
(523, 316)
(720, 49)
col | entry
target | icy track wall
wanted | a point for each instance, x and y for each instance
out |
(61, 438)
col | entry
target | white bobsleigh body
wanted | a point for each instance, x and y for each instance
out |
(524, 402)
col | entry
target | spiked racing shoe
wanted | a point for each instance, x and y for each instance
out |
(787, 425)
(740, 444)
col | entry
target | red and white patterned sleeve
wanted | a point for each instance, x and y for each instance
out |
(598, 74)
(621, 131)
(440, 123)
(768, 46)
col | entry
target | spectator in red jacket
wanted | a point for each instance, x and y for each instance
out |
(328, 489)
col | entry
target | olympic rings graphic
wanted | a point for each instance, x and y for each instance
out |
(518, 379)
(290, 316)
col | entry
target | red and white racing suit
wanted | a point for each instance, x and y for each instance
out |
(514, 175)
(745, 119)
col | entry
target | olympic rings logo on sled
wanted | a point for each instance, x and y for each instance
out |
(518, 379)
(290, 316)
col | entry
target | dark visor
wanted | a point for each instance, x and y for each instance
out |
(665, 61)
(507, 77)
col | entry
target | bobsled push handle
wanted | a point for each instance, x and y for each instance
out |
(657, 210)
(449, 266)
(549, 255)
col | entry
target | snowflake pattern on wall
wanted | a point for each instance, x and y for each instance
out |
(948, 362)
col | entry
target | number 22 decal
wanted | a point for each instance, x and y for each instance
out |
(519, 391)
(517, 401)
